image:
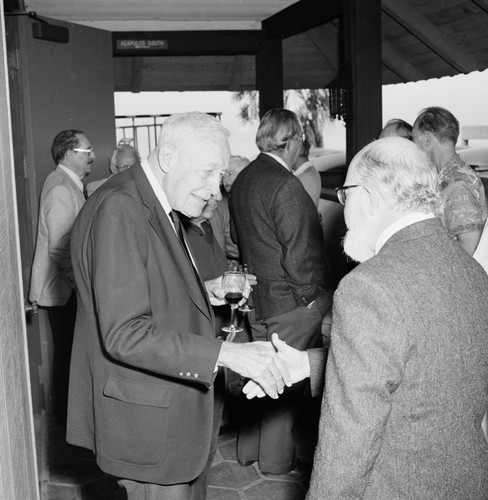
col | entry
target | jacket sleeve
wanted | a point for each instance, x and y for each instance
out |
(364, 369)
(317, 358)
(60, 215)
(303, 254)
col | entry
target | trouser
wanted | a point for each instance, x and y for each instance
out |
(62, 320)
(268, 428)
(196, 489)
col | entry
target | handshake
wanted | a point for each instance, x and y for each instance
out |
(269, 365)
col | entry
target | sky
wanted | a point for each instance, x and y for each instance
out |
(466, 96)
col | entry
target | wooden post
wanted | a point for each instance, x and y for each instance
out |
(269, 74)
(362, 44)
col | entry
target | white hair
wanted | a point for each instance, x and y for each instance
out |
(195, 125)
(396, 170)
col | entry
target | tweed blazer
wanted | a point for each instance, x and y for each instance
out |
(279, 233)
(144, 348)
(52, 279)
(407, 376)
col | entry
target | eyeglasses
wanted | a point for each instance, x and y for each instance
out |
(342, 192)
(80, 150)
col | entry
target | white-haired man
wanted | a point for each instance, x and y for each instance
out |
(406, 378)
(145, 354)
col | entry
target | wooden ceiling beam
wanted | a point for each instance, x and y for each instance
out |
(482, 4)
(194, 43)
(397, 64)
(419, 26)
(301, 16)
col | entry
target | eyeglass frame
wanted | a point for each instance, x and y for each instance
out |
(341, 192)
(81, 150)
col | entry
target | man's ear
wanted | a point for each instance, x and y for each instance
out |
(428, 139)
(166, 154)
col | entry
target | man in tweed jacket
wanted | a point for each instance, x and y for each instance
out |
(407, 374)
(280, 235)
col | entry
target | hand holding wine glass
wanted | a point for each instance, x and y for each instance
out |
(249, 272)
(233, 285)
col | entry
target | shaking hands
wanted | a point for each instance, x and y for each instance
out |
(295, 363)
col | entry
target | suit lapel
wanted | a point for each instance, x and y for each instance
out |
(161, 225)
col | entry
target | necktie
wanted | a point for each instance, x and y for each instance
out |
(179, 231)
(85, 192)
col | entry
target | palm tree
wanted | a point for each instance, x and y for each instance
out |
(310, 105)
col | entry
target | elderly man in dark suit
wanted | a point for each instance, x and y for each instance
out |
(279, 234)
(407, 373)
(145, 354)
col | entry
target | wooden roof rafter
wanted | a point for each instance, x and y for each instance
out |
(330, 51)
(301, 16)
(425, 31)
(482, 4)
(398, 65)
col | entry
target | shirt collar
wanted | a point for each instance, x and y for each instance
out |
(304, 166)
(157, 188)
(405, 221)
(279, 160)
(163, 200)
(74, 177)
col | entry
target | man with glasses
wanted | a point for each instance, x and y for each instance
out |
(52, 283)
(279, 234)
(406, 377)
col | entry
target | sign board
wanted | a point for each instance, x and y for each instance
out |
(142, 44)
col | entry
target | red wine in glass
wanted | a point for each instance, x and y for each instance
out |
(233, 298)
(233, 285)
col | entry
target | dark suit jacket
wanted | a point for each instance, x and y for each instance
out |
(279, 233)
(407, 376)
(144, 350)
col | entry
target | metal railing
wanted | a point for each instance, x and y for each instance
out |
(142, 131)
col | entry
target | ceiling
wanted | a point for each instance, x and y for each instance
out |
(421, 39)
(161, 15)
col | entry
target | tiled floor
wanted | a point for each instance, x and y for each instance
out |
(73, 475)
(230, 481)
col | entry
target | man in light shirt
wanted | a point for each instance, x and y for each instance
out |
(52, 283)
(406, 377)
(436, 131)
(307, 174)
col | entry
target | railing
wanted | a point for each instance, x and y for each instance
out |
(142, 131)
(469, 132)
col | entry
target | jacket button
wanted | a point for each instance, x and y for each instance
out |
(196, 375)
(188, 374)
(181, 374)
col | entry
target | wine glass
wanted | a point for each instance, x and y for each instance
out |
(247, 269)
(233, 285)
